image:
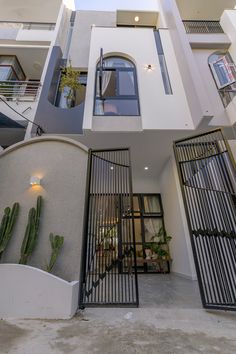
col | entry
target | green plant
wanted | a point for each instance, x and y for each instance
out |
(56, 244)
(160, 243)
(69, 83)
(31, 232)
(7, 225)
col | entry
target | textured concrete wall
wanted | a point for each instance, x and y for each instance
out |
(61, 164)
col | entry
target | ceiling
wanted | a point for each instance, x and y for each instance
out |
(127, 18)
(204, 9)
(29, 10)
(31, 59)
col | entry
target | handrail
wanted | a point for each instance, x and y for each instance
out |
(202, 26)
(19, 90)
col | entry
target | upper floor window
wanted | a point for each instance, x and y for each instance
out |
(116, 88)
(224, 72)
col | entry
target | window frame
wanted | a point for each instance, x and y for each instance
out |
(117, 70)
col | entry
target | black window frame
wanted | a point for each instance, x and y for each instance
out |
(118, 96)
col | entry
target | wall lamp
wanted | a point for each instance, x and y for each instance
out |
(149, 67)
(35, 181)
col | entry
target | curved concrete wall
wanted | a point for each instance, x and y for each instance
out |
(61, 164)
(28, 292)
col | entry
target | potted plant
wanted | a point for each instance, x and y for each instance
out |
(160, 244)
(69, 83)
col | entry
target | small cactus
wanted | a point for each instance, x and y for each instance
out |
(7, 225)
(31, 232)
(56, 244)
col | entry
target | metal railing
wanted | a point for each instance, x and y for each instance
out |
(199, 26)
(19, 90)
(227, 95)
(39, 26)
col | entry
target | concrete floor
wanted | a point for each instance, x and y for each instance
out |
(170, 320)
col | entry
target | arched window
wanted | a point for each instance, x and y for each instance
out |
(224, 72)
(116, 88)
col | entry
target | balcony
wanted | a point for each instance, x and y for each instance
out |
(206, 34)
(193, 26)
(23, 91)
(227, 95)
(27, 31)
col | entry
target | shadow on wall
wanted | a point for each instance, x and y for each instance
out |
(56, 120)
(61, 166)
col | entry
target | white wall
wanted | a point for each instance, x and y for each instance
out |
(61, 164)
(80, 42)
(175, 222)
(158, 110)
(29, 10)
(28, 292)
(35, 35)
(228, 23)
(201, 59)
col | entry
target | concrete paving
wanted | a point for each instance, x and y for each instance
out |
(170, 320)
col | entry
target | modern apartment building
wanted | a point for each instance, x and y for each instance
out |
(151, 73)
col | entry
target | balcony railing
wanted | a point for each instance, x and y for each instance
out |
(39, 26)
(227, 95)
(26, 91)
(198, 26)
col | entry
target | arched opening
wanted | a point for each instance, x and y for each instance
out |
(116, 91)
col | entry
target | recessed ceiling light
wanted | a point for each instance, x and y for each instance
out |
(136, 19)
(112, 168)
(146, 168)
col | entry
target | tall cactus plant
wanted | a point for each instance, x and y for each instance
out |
(7, 225)
(31, 232)
(56, 244)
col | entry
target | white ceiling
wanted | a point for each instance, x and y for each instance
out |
(29, 10)
(204, 9)
(31, 59)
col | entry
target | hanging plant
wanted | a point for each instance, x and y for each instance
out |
(69, 83)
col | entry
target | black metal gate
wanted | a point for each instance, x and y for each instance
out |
(108, 270)
(208, 177)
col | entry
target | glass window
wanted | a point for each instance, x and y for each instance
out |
(151, 228)
(151, 204)
(223, 69)
(116, 88)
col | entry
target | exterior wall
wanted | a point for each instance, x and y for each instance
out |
(80, 42)
(175, 222)
(56, 120)
(29, 11)
(35, 35)
(190, 76)
(228, 23)
(232, 144)
(61, 164)
(28, 292)
(201, 59)
(158, 110)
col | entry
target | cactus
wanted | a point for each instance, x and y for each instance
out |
(7, 225)
(56, 244)
(31, 232)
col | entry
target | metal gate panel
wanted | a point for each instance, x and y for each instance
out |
(108, 270)
(208, 180)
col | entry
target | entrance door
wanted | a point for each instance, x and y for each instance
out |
(208, 179)
(108, 274)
